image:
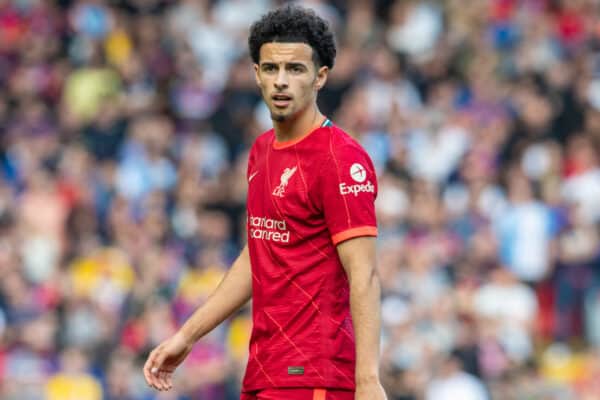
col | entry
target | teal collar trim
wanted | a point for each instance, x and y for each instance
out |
(327, 122)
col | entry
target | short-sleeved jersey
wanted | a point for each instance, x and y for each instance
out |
(304, 198)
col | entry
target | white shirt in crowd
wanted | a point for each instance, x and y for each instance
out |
(460, 385)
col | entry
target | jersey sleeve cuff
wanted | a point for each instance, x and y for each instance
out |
(354, 232)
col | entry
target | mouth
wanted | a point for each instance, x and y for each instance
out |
(281, 100)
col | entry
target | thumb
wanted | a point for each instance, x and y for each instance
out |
(158, 360)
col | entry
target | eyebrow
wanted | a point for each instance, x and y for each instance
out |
(287, 64)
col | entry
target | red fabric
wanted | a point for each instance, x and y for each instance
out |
(12, 27)
(545, 320)
(70, 193)
(502, 10)
(134, 335)
(571, 27)
(299, 394)
(301, 313)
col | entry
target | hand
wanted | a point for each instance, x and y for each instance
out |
(163, 360)
(370, 391)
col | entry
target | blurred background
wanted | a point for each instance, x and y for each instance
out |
(124, 132)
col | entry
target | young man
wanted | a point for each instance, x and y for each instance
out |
(309, 265)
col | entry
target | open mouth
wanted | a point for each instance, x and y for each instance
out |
(281, 100)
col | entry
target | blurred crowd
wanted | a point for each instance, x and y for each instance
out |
(124, 132)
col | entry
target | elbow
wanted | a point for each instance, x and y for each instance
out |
(374, 281)
(366, 282)
(372, 278)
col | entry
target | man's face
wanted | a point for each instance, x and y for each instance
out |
(288, 78)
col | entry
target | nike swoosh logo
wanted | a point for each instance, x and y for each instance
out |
(252, 176)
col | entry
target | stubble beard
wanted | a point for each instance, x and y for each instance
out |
(282, 115)
(278, 118)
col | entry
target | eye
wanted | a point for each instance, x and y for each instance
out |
(268, 68)
(297, 69)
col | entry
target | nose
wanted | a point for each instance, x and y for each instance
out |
(282, 80)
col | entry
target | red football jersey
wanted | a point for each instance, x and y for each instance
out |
(304, 197)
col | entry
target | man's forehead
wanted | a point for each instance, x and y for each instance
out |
(278, 52)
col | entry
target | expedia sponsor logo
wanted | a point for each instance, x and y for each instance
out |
(262, 228)
(358, 172)
(367, 187)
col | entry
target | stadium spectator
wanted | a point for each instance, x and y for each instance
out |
(124, 134)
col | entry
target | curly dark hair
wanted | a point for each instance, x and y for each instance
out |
(294, 24)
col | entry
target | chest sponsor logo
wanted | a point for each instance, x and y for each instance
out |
(358, 173)
(284, 180)
(274, 230)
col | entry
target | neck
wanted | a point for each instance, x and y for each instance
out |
(292, 129)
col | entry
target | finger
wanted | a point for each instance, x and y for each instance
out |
(165, 379)
(170, 379)
(158, 371)
(159, 380)
(146, 369)
(147, 375)
(152, 367)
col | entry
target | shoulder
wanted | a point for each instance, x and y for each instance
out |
(258, 147)
(334, 141)
(264, 139)
(343, 157)
(343, 146)
(261, 142)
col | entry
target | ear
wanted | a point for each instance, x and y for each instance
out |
(256, 76)
(321, 77)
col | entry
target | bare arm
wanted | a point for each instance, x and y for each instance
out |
(233, 292)
(358, 258)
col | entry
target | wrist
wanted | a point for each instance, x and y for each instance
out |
(186, 336)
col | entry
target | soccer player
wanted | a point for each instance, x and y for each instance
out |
(309, 265)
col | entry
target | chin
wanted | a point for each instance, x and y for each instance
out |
(278, 118)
